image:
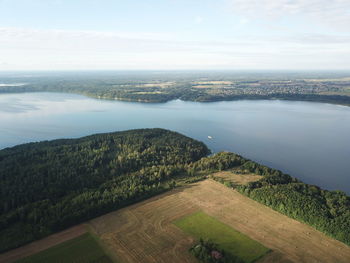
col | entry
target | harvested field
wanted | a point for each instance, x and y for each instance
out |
(144, 232)
(156, 84)
(237, 179)
(213, 82)
(43, 244)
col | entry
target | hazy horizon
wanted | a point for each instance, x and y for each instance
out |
(80, 35)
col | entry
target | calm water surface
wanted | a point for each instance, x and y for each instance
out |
(307, 140)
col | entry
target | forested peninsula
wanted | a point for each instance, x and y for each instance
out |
(51, 185)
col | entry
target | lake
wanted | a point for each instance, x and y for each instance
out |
(307, 140)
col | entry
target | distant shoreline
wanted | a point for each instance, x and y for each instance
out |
(341, 100)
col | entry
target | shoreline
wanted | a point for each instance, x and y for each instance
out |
(243, 98)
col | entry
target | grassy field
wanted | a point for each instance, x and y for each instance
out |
(82, 249)
(200, 225)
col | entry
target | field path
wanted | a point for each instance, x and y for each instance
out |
(42, 244)
(144, 232)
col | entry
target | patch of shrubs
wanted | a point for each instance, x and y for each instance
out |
(208, 252)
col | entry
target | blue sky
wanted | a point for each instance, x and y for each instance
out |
(174, 34)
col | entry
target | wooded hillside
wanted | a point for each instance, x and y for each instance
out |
(47, 186)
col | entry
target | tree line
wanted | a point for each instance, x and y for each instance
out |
(327, 211)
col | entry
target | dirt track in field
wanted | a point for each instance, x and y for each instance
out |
(144, 233)
(45, 243)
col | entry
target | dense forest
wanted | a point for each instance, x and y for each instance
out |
(48, 186)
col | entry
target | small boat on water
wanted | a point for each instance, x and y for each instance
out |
(209, 137)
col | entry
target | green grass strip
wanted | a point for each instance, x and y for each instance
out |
(200, 225)
(83, 249)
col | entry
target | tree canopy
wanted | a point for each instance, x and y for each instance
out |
(47, 186)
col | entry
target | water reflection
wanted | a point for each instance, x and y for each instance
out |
(307, 140)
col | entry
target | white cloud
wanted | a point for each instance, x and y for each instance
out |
(333, 13)
(65, 49)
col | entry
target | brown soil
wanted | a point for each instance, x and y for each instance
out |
(144, 232)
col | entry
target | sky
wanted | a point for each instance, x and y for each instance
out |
(174, 34)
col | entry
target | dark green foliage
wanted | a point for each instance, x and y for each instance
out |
(220, 161)
(256, 168)
(208, 252)
(327, 211)
(48, 186)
